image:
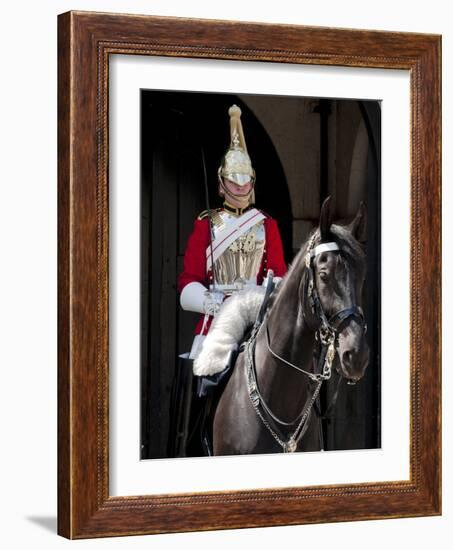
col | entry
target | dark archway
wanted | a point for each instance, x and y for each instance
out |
(175, 127)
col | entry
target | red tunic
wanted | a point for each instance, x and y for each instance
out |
(195, 257)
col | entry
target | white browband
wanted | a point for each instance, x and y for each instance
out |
(325, 247)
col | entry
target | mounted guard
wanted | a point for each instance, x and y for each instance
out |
(231, 249)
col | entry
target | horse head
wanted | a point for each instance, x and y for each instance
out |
(337, 262)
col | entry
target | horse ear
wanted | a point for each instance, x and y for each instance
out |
(358, 226)
(325, 218)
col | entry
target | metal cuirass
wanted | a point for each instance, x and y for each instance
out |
(241, 261)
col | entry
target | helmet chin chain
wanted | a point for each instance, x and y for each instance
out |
(241, 198)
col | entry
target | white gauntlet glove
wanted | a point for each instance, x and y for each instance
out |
(196, 297)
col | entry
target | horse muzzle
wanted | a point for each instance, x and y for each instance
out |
(353, 362)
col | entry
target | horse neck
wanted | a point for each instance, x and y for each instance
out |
(291, 338)
(287, 323)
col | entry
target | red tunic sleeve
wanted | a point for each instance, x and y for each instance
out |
(195, 255)
(274, 249)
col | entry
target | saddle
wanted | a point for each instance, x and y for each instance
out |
(210, 387)
(207, 383)
(195, 398)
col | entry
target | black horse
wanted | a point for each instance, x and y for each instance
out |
(313, 323)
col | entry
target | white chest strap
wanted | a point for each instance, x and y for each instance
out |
(235, 228)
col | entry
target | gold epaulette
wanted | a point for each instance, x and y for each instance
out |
(213, 213)
(204, 214)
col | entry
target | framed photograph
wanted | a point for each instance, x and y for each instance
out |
(249, 275)
(185, 134)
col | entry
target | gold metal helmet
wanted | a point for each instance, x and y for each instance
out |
(236, 165)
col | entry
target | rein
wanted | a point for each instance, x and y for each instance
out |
(326, 334)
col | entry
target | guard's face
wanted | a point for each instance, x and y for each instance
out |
(235, 189)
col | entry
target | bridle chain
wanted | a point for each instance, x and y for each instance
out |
(327, 337)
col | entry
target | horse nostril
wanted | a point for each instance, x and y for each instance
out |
(348, 357)
(354, 362)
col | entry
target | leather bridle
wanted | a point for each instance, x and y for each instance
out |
(326, 334)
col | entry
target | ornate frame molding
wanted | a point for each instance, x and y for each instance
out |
(85, 41)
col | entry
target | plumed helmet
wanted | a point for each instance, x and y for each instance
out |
(236, 164)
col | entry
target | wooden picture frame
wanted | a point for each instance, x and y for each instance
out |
(85, 508)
